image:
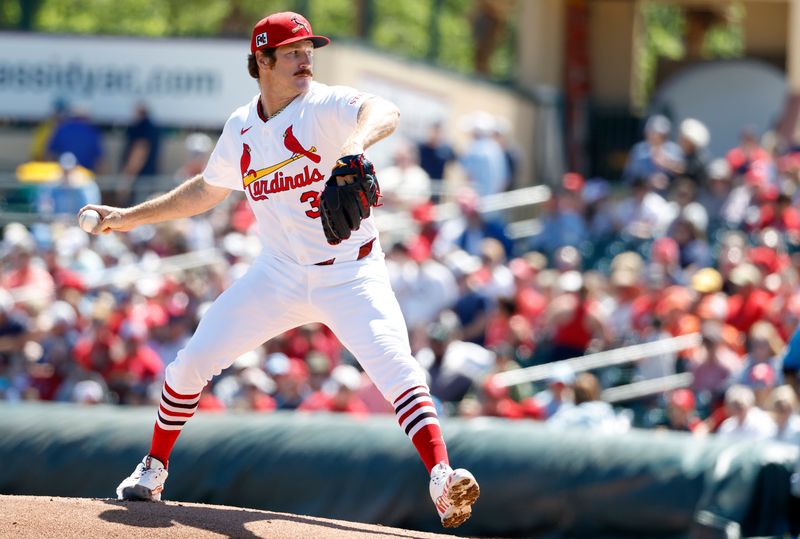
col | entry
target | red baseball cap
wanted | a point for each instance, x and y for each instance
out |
(683, 399)
(281, 29)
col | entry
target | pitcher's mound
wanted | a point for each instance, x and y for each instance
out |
(44, 517)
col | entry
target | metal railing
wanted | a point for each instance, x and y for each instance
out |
(646, 388)
(400, 221)
(607, 358)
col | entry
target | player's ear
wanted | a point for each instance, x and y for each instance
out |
(265, 60)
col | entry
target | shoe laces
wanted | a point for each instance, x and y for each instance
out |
(440, 475)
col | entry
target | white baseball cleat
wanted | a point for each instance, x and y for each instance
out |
(145, 483)
(453, 492)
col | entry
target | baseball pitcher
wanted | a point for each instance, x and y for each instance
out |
(297, 152)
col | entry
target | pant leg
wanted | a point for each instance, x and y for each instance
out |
(357, 302)
(268, 300)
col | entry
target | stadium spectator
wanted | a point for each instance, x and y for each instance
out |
(528, 299)
(626, 271)
(88, 392)
(435, 153)
(473, 304)
(511, 152)
(749, 156)
(597, 212)
(784, 407)
(255, 389)
(140, 157)
(589, 412)
(72, 191)
(26, 272)
(684, 205)
(45, 129)
(562, 223)
(693, 249)
(713, 364)
(693, 138)
(714, 194)
(339, 394)
(762, 364)
(746, 420)
(573, 319)
(484, 160)
(404, 184)
(423, 287)
(78, 136)
(654, 159)
(750, 303)
(13, 333)
(494, 275)
(469, 229)
(682, 412)
(496, 401)
(60, 334)
(559, 393)
(453, 365)
(644, 215)
(290, 377)
(198, 148)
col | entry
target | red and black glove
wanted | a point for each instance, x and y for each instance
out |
(343, 207)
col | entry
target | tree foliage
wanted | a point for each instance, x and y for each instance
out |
(664, 28)
(400, 27)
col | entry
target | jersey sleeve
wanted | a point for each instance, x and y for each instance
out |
(342, 106)
(223, 168)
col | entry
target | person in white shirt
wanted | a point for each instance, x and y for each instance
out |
(784, 407)
(746, 421)
(405, 185)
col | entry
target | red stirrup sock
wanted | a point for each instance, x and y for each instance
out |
(173, 413)
(417, 417)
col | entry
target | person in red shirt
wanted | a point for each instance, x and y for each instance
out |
(748, 155)
(780, 215)
(28, 272)
(339, 395)
(750, 303)
(530, 302)
(574, 319)
(139, 359)
(496, 402)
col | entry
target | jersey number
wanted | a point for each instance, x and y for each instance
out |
(311, 197)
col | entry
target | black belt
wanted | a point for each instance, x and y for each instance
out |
(363, 251)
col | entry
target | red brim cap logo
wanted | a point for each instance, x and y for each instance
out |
(261, 39)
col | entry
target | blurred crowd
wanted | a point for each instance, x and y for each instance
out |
(683, 243)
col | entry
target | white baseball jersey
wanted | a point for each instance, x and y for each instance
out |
(282, 164)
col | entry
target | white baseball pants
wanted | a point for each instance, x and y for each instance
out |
(354, 299)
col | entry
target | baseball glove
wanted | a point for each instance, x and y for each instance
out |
(343, 207)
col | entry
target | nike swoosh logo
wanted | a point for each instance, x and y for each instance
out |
(246, 130)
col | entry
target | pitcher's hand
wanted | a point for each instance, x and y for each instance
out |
(113, 219)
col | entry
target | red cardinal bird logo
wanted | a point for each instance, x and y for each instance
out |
(294, 146)
(244, 162)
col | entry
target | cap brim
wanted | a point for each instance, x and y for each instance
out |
(317, 41)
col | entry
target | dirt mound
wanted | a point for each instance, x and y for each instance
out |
(44, 517)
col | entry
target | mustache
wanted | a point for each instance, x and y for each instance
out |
(304, 72)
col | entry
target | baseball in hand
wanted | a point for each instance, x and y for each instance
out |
(89, 220)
